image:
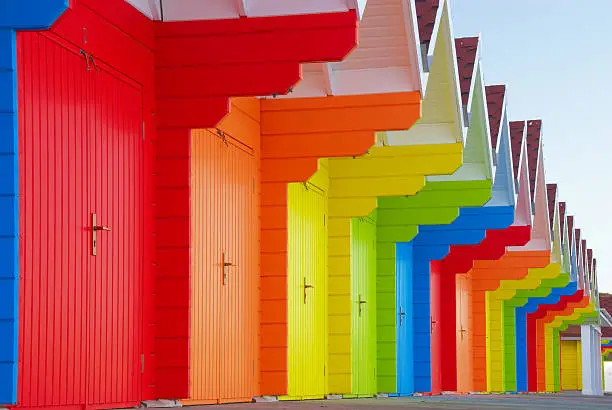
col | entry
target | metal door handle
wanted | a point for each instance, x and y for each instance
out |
(225, 264)
(101, 228)
(94, 233)
(431, 323)
(401, 316)
(361, 302)
(306, 286)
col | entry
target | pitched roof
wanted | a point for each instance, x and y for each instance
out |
(467, 48)
(562, 206)
(551, 190)
(534, 129)
(577, 237)
(590, 259)
(517, 133)
(495, 104)
(426, 18)
(605, 302)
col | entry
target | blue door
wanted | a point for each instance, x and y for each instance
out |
(404, 303)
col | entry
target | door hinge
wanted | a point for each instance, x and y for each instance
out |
(324, 219)
(324, 370)
(142, 362)
(143, 130)
(253, 185)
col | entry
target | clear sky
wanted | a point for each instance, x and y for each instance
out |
(555, 56)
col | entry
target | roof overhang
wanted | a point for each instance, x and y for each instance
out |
(189, 10)
(386, 60)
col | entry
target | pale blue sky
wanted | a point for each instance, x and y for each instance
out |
(555, 56)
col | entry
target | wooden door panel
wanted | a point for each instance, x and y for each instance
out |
(224, 313)
(54, 220)
(363, 260)
(239, 376)
(116, 197)
(307, 250)
(208, 245)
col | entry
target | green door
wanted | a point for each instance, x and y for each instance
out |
(363, 312)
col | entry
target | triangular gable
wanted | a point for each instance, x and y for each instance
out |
(504, 191)
(540, 234)
(477, 157)
(585, 268)
(442, 119)
(522, 212)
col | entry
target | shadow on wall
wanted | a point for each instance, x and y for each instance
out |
(608, 374)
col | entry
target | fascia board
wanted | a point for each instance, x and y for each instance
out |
(412, 34)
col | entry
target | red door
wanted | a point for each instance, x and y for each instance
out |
(80, 153)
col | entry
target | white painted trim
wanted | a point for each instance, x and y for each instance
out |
(242, 7)
(185, 10)
(328, 77)
(412, 34)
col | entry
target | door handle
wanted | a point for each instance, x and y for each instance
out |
(401, 316)
(225, 264)
(431, 323)
(94, 233)
(306, 286)
(361, 302)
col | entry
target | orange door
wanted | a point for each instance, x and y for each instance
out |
(224, 295)
(465, 360)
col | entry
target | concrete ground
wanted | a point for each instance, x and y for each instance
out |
(565, 401)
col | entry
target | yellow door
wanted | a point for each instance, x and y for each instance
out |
(307, 283)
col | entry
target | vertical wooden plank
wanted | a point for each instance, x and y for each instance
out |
(54, 245)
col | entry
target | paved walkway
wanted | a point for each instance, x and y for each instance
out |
(566, 401)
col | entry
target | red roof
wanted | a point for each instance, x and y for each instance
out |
(551, 190)
(517, 134)
(426, 18)
(562, 206)
(495, 104)
(467, 48)
(605, 302)
(534, 130)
